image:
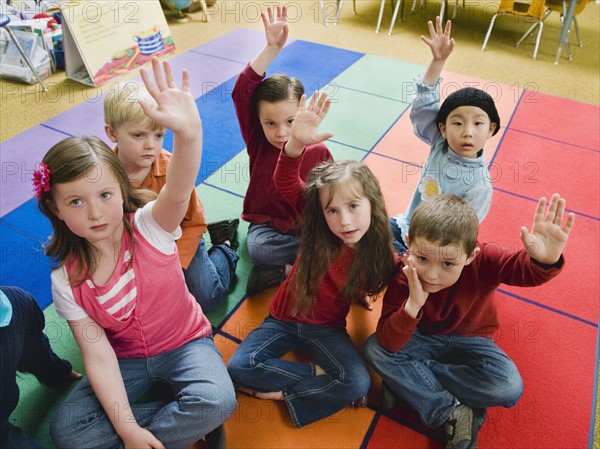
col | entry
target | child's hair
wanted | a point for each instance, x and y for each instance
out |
(121, 105)
(445, 220)
(67, 161)
(469, 96)
(374, 262)
(278, 87)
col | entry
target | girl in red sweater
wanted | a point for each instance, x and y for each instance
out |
(345, 251)
(265, 108)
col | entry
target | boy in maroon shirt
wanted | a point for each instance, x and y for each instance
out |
(433, 344)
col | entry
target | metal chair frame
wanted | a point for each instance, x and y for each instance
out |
(534, 10)
(340, 4)
(399, 10)
(4, 21)
(552, 6)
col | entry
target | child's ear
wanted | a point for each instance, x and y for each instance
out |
(110, 132)
(442, 128)
(493, 126)
(473, 255)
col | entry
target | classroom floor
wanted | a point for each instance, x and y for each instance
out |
(546, 144)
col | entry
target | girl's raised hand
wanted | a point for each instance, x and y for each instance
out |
(548, 236)
(276, 28)
(306, 123)
(176, 107)
(440, 43)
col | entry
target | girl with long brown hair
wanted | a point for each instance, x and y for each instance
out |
(345, 252)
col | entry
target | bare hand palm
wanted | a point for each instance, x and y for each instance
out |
(548, 237)
(176, 108)
(308, 118)
(440, 43)
(276, 28)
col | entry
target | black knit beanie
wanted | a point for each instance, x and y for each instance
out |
(469, 96)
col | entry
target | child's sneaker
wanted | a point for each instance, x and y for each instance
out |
(216, 438)
(360, 402)
(261, 278)
(463, 427)
(224, 232)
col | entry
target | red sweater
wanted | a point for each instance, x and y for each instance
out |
(467, 307)
(329, 307)
(263, 204)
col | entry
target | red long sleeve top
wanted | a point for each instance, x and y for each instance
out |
(329, 308)
(467, 307)
(263, 204)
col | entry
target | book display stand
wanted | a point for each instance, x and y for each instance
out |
(103, 40)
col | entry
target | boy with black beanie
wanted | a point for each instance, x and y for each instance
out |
(456, 131)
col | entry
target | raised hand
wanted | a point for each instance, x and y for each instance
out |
(176, 107)
(548, 236)
(440, 43)
(276, 27)
(416, 296)
(306, 123)
(177, 111)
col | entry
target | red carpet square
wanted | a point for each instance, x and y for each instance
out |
(558, 119)
(574, 291)
(534, 166)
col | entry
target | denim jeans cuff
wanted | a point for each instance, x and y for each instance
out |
(231, 256)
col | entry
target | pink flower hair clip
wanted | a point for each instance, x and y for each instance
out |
(41, 180)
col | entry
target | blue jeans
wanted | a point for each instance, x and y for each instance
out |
(397, 238)
(15, 438)
(257, 365)
(24, 347)
(267, 246)
(209, 274)
(434, 373)
(202, 399)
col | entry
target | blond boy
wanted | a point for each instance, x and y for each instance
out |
(139, 144)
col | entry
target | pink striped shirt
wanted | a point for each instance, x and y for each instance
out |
(145, 308)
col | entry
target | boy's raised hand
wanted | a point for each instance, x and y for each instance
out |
(548, 236)
(440, 43)
(176, 107)
(276, 27)
(306, 123)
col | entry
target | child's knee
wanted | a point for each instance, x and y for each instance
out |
(372, 350)
(511, 390)
(360, 384)
(261, 254)
(65, 428)
(216, 403)
(238, 364)
(506, 390)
